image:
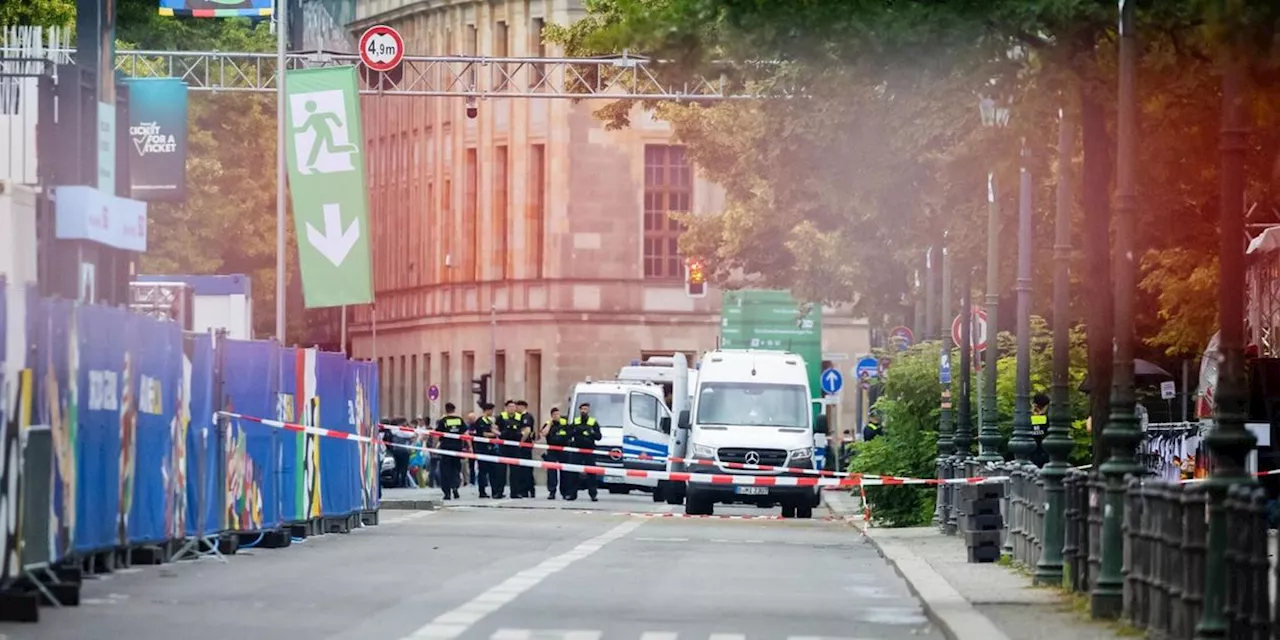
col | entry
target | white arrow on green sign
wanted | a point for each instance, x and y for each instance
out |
(327, 184)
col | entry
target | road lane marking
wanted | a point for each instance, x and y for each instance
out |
(726, 636)
(454, 623)
(659, 635)
(545, 634)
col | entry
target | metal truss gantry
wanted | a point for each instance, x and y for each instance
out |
(616, 77)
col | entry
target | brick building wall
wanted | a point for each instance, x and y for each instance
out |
(528, 241)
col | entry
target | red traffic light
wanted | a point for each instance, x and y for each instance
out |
(695, 279)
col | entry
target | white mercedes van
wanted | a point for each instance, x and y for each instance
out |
(751, 407)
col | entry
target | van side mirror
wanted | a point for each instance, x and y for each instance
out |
(820, 425)
(683, 422)
(665, 424)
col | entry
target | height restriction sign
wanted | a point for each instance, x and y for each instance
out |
(381, 48)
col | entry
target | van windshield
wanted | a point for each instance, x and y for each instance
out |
(753, 404)
(606, 408)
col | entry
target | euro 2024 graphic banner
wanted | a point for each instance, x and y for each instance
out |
(158, 139)
(216, 8)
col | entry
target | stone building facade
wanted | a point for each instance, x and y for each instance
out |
(527, 241)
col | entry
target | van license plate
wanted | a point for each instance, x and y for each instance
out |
(752, 491)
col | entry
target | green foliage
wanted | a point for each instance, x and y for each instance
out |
(908, 445)
(41, 13)
(835, 196)
(1042, 380)
(228, 222)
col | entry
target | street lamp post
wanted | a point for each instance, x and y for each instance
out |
(993, 116)
(1229, 441)
(963, 438)
(1057, 443)
(1121, 434)
(930, 297)
(946, 443)
(1021, 444)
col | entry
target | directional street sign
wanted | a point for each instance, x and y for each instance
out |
(832, 381)
(381, 48)
(326, 180)
(978, 329)
(433, 392)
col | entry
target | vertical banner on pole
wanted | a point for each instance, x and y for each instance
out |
(327, 180)
(158, 131)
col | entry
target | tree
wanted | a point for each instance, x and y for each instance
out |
(227, 224)
(39, 13)
(808, 184)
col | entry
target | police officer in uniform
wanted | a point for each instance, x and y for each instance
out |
(584, 434)
(486, 474)
(528, 435)
(556, 432)
(509, 425)
(451, 466)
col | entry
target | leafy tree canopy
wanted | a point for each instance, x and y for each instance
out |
(836, 195)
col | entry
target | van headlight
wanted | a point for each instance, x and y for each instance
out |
(703, 451)
(801, 454)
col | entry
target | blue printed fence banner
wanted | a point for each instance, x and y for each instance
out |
(138, 457)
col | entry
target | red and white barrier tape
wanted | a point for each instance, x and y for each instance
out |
(671, 476)
(618, 454)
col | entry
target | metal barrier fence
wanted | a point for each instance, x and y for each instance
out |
(110, 417)
(1165, 531)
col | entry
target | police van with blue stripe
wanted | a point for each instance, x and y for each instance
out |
(632, 417)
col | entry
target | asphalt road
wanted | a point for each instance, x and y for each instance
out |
(621, 568)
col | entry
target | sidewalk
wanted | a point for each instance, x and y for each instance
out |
(971, 601)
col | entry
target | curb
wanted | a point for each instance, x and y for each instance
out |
(410, 505)
(943, 604)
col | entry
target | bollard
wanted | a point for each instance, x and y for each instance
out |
(1071, 539)
(1194, 547)
(1013, 515)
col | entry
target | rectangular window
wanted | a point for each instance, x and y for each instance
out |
(499, 377)
(644, 410)
(533, 382)
(501, 49)
(449, 259)
(427, 381)
(414, 410)
(537, 216)
(470, 209)
(538, 48)
(466, 399)
(501, 214)
(446, 379)
(668, 188)
(431, 258)
(402, 392)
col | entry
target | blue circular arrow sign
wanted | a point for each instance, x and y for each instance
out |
(832, 381)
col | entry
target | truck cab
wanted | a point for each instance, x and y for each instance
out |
(751, 407)
(624, 410)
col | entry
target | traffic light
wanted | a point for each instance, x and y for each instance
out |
(480, 388)
(695, 279)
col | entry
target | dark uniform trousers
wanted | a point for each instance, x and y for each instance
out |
(450, 466)
(485, 477)
(585, 435)
(558, 434)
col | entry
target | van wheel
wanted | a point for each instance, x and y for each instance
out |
(804, 512)
(695, 505)
(674, 494)
(657, 493)
(788, 510)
